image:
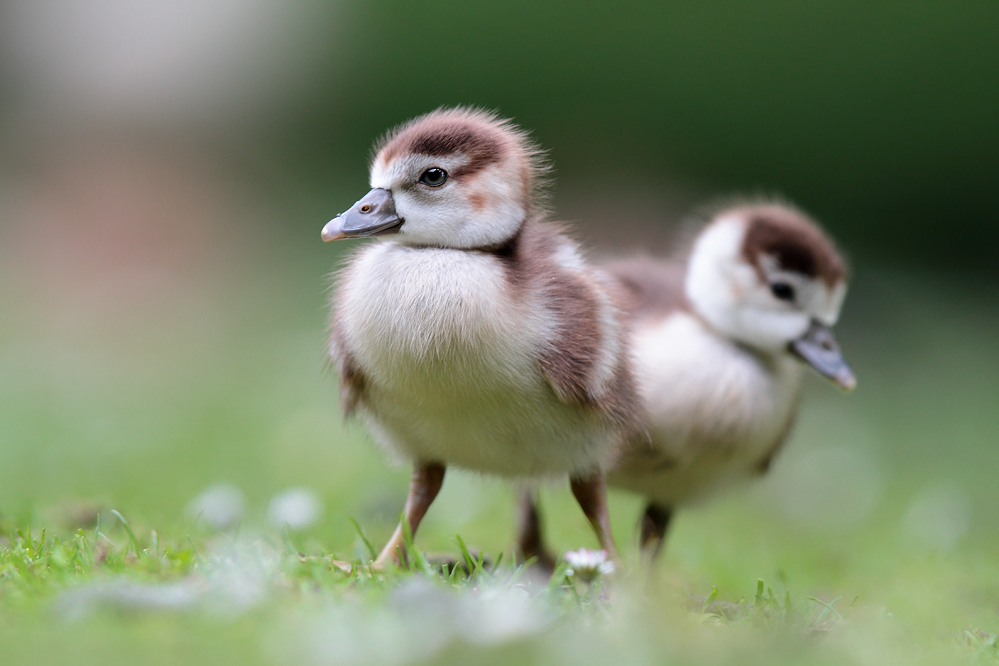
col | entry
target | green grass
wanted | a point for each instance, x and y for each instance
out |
(875, 536)
(258, 598)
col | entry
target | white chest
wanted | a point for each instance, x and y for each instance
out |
(449, 355)
(713, 409)
(434, 314)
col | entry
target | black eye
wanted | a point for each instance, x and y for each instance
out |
(783, 291)
(434, 177)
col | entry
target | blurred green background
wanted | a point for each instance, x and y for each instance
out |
(165, 169)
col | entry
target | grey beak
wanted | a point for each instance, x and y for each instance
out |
(818, 348)
(373, 215)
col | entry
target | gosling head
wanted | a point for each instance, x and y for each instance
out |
(767, 277)
(456, 178)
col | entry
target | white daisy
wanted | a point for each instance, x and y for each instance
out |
(588, 564)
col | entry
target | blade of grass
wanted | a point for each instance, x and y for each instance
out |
(559, 578)
(364, 538)
(131, 534)
(711, 598)
(518, 572)
(469, 562)
(480, 563)
(828, 608)
(414, 558)
(452, 577)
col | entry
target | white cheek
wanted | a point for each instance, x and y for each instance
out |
(757, 318)
(769, 329)
(728, 294)
(828, 312)
(501, 213)
(434, 222)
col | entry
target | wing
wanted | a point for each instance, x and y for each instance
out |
(351, 380)
(586, 362)
(573, 352)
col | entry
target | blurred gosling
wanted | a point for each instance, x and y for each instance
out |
(718, 343)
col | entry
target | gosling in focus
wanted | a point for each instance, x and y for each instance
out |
(718, 342)
(473, 333)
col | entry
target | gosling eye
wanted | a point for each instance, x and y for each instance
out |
(782, 291)
(434, 177)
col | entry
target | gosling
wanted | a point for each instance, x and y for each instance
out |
(473, 333)
(717, 344)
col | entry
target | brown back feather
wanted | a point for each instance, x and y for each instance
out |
(576, 347)
(650, 288)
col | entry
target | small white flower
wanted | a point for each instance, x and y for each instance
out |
(296, 508)
(128, 596)
(499, 614)
(220, 506)
(588, 564)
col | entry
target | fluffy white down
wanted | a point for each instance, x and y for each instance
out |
(728, 293)
(713, 409)
(450, 362)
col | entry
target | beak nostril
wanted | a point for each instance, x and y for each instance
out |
(366, 208)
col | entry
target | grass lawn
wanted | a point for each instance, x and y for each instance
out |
(876, 537)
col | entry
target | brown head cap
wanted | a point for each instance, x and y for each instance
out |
(792, 238)
(481, 136)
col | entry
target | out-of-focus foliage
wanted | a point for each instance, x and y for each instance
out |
(880, 118)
